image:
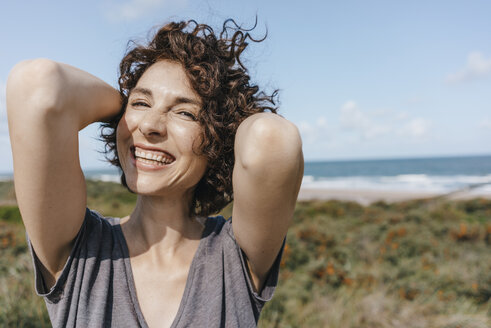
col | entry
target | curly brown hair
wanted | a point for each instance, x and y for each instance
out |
(217, 74)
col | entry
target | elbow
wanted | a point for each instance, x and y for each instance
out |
(34, 86)
(269, 140)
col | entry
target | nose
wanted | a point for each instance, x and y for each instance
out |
(153, 124)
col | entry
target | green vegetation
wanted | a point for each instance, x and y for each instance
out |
(109, 198)
(423, 263)
(7, 194)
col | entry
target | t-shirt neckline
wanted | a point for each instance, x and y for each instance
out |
(131, 281)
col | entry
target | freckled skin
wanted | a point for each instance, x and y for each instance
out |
(159, 121)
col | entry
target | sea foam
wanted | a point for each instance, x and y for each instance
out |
(403, 182)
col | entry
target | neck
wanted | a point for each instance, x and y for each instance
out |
(161, 226)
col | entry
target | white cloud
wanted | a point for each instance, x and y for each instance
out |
(313, 133)
(477, 66)
(382, 123)
(134, 9)
(354, 119)
(485, 124)
(416, 128)
(357, 130)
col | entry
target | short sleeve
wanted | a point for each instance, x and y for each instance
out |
(54, 294)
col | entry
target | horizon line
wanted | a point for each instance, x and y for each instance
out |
(315, 161)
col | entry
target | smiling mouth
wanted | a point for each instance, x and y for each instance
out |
(153, 157)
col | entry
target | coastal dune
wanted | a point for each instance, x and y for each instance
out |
(369, 196)
(363, 197)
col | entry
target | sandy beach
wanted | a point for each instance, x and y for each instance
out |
(367, 196)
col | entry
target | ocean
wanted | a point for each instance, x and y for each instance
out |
(438, 175)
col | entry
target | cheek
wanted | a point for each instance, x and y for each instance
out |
(189, 137)
(122, 133)
(126, 125)
(122, 129)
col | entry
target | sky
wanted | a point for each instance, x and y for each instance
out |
(360, 79)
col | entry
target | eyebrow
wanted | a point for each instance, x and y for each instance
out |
(177, 101)
(185, 100)
(145, 91)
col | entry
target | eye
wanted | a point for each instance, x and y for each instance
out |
(187, 114)
(139, 104)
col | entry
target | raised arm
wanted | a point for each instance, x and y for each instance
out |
(267, 175)
(47, 104)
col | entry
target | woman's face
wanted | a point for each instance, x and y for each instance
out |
(158, 136)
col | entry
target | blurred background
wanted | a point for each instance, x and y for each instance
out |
(393, 102)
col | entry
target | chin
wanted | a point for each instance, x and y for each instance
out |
(148, 186)
(144, 188)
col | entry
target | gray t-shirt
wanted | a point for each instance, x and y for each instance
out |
(96, 287)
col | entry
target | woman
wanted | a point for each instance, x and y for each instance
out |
(190, 133)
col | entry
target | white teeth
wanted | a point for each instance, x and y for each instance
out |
(149, 158)
(149, 161)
